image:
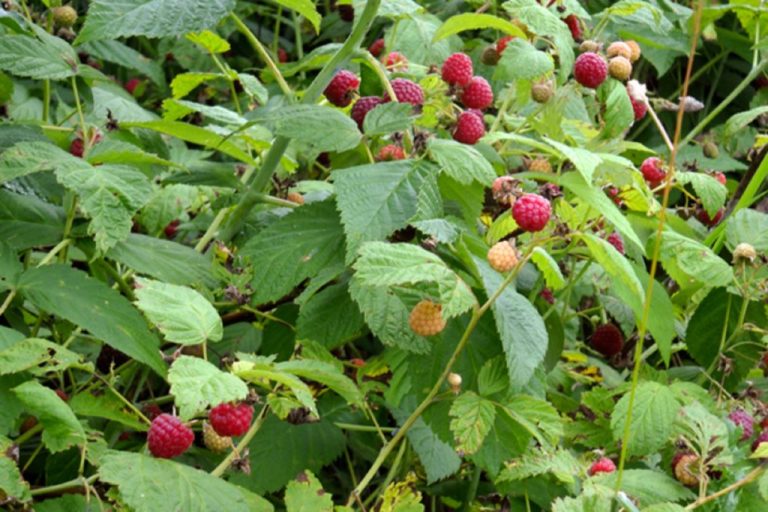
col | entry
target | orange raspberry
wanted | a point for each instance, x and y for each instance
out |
(502, 256)
(426, 318)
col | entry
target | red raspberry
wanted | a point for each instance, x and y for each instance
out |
(470, 128)
(652, 171)
(720, 177)
(573, 23)
(282, 55)
(762, 438)
(590, 70)
(547, 295)
(704, 217)
(531, 212)
(390, 152)
(376, 47)
(152, 411)
(615, 240)
(347, 13)
(171, 229)
(77, 148)
(62, 394)
(743, 419)
(362, 106)
(613, 193)
(406, 92)
(131, 85)
(168, 437)
(341, 88)
(477, 94)
(396, 61)
(638, 107)
(608, 340)
(457, 69)
(502, 43)
(603, 465)
(231, 420)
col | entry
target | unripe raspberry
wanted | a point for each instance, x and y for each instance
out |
(214, 441)
(502, 257)
(454, 381)
(744, 252)
(502, 43)
(342, 87)
(396, 61)
(686, 469)
(540, 165)
(590, 46)
(168, 437)
(64, 16)
(469, 128)
(710, 151)
(542, 92)
(406, 91)
(652, 171)
(608, 340)
(426, 318)
(616, 241)
(477, 94)
(490, 56)
(531, 212)
(620, 68)
(376, 47)
(295, 197)
(457, 69)
(230, 419)
(361, 108)
(743, 419)
(704, 217)
(503, 190)
(574, 25)
(603, 465)
(390, 152)
(590, 70)
(619, 48)
(636, 52)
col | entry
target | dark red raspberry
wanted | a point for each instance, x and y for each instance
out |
(77, 148)
(390, 152)
(168, 437)
(762, 438)
(638, 107)
(761, 82)
(469, 128)
(396, 61)
(743, 419)
(608, 340)
(376, 47)
(362, 106)
(652, 171)
(152, 411)
(704, 217)
(231, 420)
(590, 70)
(502, 43)
(131, 85)
(603, 465)
(347, 13)
(531, 212)
(547, 295)
(615, 240)
(406, 92)
(457, 69)
(573, 23)
(342, 87)
(62, 394)
(477, 94)
(282, 55)
(171, 229)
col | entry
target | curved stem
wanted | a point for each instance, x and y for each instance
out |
(71, 484)
(263, 54)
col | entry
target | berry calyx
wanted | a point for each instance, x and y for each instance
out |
(396, 61)
(457, 69)
(619, 48)
(652, 171)
(608, 340)
(743, 419)
(686, 469)
(390, 152)
(214, 441)
(704, 217)
(477, 94)
(426, 318)
(574, 25)
(502, 256)
(616, 241)
(620, 68)
(342, 87)
(531, 212)
(361, 108)
(542, 92)
(590, 70)
(64, 16)
(376, 47)
(406, 91)
(602, 465)
(470, 128)
(230, 419)
(168, 437)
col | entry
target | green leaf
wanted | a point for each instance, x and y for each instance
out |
(196, 385)
(388, 118)
(38, 357)
(12, 484)
(184, 83)
(414, 38)
(306, 494)
(473, 418)
(748, 226)
(31, 157)
(521, 328)
(91, 304)
(536, 416)
(619, 114)
(522, 61)
(323, 128)
(106, 406)
(10, 267)
(548, 267)
(26, 56)
(473, 21)
(253, 87)
(306, 8)
(123, 55)
(560, 463)
(324, 373)
(461, 161)
(739, 121)
(585, 161)
(653, 417)
(182, 314)
(210, 41)
(384, 264)
(108, 19)
(647, 487)
(60, 426)
(711, 192)
(294, 248)
(260, 373)
(617, 267)
(144, 482)
(331, 302)
(693, 259)
(118, 152)
(587, 502)
(26, 221)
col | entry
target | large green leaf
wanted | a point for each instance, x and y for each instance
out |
(387, 118)
(306, 8)
(123, 55)
(38, 357)
(711, 192)
(653, 417)
(748, 226)
(31, 157)
(472, 419)
(324, 128)
(461, 162)
(145, 482)
(414, 38)
(474, 21)
(306, 494)
(694, 260)
(12, 484)
(522, 61)
(30, 57)
(648, 487)
(196, 385)
(91, 304)
(26, 221)
(60, 426)
(331, 302)
(324, 373)
(106, 406)
(616, 266)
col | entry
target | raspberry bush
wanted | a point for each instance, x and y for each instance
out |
(383, 255)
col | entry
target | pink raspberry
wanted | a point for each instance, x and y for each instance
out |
(720, 177)
(396, 61)
(531, 212)
(603, 465)
(168, 437)
(340, 90)
(390, 152)
(743, 419)
(477, 94)
(470, 128)
(652, 171)
(131, 85)
(406, 92)
(457, 69)
(638, 107)
(376, 47)
(590, 70)
(573, 23)
(704, 217)
(616, 241)
(361, 108)
(502, 43)
(230, 419)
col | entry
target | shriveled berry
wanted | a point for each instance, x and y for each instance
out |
(636, 52)
(406, 91)
(502, 256)
(490, 56)
(426, 318)
(361, 108)
(540, 164)
(502, 43)
(744, 252)
(608, 340)
(503, 190)
(457, 69)
(616, 241)
(619, 48)
(574, 25)
(686, 469)
(342, 87)
(231, 419)
(542, 92)
(743, 419)
(376, 47)
(704, 217)
(396, 61)
(390, 152)
(620, 68)
(469, 128)
(477, 94)
(602, 465)
(214, 441)
(652, 171)
(531, 212)
(590, 70)
(168, 437)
